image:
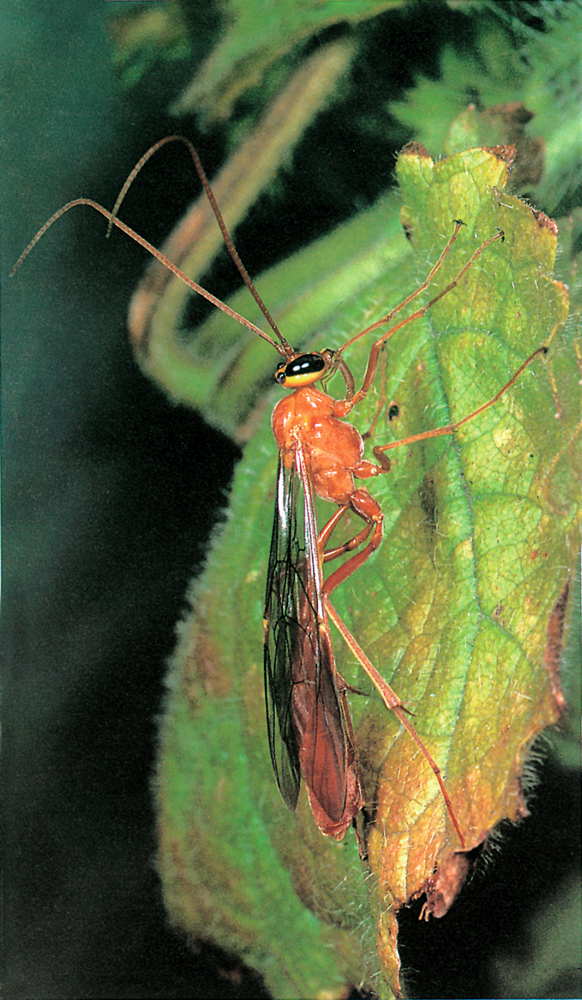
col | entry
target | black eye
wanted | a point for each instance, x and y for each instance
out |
(393, 412)
(306, 364)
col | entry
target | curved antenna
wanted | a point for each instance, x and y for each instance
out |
(217, 215)
(159, 256)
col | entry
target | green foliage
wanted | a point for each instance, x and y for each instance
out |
(510, 62)
(146, 37)
(554, 93)
(256, 35)
(491, 56)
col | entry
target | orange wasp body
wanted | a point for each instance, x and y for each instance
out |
(309, 725)
(304, 691)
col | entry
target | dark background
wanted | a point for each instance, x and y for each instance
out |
(110, 495)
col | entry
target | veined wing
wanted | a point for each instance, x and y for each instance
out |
(305, 714)
(281, 631)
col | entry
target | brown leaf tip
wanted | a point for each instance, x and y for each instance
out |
(544, 222)
(444, 886)
(506, 154)
(552, 652)
(415, 149)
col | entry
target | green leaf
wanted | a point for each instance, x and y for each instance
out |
(461, 608)
(511, 65)
(257, 34)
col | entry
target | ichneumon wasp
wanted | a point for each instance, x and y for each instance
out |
(309, 725)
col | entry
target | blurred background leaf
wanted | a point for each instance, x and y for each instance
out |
(515, 62)
(255, 35)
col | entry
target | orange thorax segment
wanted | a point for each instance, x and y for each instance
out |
(332, 448)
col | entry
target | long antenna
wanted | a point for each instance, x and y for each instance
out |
(282, 348)
(218, 216)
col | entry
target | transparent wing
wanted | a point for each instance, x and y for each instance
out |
(305, 715)
(281, 630)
